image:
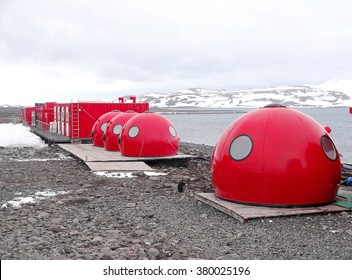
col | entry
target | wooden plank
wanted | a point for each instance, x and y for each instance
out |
(52, 137)
(119, 166)
(89, 152)
(244, 212)
(99, 159)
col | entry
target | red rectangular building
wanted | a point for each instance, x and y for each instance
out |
(75, 120)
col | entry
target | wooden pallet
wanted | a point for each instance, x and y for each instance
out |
(122, 166)
(243, 212)
(49, 137)
(99, 159)
(89, 152)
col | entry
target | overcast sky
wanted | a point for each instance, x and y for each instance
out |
(60, 50)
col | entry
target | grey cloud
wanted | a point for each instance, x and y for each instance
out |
(183, 43)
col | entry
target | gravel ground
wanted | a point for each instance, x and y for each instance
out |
(77, 214)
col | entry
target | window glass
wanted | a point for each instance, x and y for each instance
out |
(328, 147)
(172, 131)
(241, 147)
(103, 126)
(117, 129)
(133, 132)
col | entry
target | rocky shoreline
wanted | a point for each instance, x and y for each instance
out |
(77, 214)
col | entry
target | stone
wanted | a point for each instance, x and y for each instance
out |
(105, 257)
(140, 232)
(35, 239)
(154, 178)
(32, 220)
(55, 228)
(152, 252)
(74, 233)
(97, 240)
(170, 185)
(131, 205)
(43, 215)
(142, 255)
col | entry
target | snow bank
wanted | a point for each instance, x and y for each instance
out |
(39, 195)
(126, 174)
(17, 135)
(341, 85)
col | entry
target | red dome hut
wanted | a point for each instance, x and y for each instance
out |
(114, 129)
(99, 127)
(276, 156)
(149, 134)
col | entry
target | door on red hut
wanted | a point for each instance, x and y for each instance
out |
(67, 118)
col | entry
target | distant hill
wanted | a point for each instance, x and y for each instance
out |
(10, 106)
(323, 95)
(9, 114)
(331, 93)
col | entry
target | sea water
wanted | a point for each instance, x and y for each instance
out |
(206, 128)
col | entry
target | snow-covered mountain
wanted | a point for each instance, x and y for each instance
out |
(344, 86)
(331, 93)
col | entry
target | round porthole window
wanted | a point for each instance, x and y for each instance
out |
(172, 131)
(241, 147)
(104, 126)
(117, 129)
(328, 147)
(133, 132)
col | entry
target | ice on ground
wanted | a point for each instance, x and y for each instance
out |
(40, 195)
(126, 174)
(18, 201)
(17, 135)
(44, 194)
(150, 173)
(60, 157)
(115, 174)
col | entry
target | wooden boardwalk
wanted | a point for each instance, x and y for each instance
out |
(99, 159)
(243, 212)
(49, 137)
(122, 166)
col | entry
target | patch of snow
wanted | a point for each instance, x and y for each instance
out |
(150, 173)
(44, 159)
(18, 201)
(17, 135)
(63, 157)
(115, 174)
(127, 174)
(48, 193)
(40, 195)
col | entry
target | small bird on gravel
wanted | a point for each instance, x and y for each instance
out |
(181, 186)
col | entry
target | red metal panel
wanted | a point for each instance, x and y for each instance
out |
(113, 130)
(149, 134)
(50, 104)
(276, 156)
(83, 115)
(27, 115)
(64, 120)
(100, 127)
(45, 115)
(90, 112)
